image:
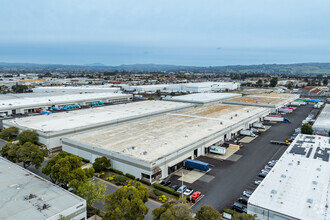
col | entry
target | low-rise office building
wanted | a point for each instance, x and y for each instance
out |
(52, 128)
(31, 104)
(298, 186)
(24, 195)
(153, 148)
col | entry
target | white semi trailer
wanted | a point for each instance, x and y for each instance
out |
(247, 133)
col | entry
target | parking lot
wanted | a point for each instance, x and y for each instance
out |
(226, 181)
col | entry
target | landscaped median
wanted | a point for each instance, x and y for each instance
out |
(156, 191)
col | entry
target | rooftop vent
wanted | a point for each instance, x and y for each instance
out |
(273, 191)
(318, 169)
(144, 153)
(221, 122)
(235, 115)
(28, 197)
(283, 176)
(41, 207)
(314, 182)
(310, 201)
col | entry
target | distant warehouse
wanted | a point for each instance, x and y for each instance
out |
(203, 98)
(273, 100)
(298, 187)
(52, 128)
(28, 105)
(153, 148)
(25, 195)
(322, 123)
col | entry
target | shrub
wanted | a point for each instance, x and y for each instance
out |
(157, 192)
(101, 163)
(153, 196)
(165, 189)
(9, 133)
(130, 176)
(116, 171)
(229, 211)
(145, 182)
(28, 136)
(120, 179)
(111, 178)
(85, 160)
(162, 198)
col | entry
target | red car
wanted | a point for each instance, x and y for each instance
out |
(196, 194)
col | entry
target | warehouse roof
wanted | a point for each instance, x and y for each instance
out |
(84, 88)
(93, 116)
(151, 139)
(323, 120)
(298, 186)
(203, 97)
(54, 100)
(257, 99)
(25, 195)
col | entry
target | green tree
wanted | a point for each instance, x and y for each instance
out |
(242, 216)
(158, 93)
(29, 154)
(101, 164)
(273, 81)
(91, 191)
(28, 136)
(259, 83)
(50, 163)
(151, 98)
(20, 88)
(325, 81)
(208, 213)
(173, 211)
(67, 170)
(8, 133)
(306, 129)
(127, 202)
(290, 85)
(9, 151)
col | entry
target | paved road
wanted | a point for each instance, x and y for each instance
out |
(112, 188)
(232, 178)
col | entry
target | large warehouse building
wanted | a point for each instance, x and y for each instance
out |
(322, 123)
(184, 87)
(25, 195)
(28, 105)
(153, 148)
(76, 89)
(273, 100)
(52, 128)
(203, 98)
(298, 187)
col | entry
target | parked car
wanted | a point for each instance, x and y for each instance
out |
(175, 187)
(243, 200)
(188, 192)
(268, 168)
(257, 182)
(247, 193)
(262, 175)
(239, 207)
(166, 182)
(181, 189)
(196, 194)
(265, 171)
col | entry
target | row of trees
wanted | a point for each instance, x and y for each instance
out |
(25, 149)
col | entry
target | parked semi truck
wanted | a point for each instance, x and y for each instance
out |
(195, 164)
(217, 149)
(258, 125)
(276, 118)
(247, 133)
(285, 110)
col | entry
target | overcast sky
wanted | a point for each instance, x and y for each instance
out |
(219, 32)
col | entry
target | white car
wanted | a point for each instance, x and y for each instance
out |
(188, 191)
(257, 182)
(247, 194)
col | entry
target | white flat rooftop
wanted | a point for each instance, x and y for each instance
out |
(299, 184)
(323, 120)
(90, 117)
(54, 100)
(16, 183)
(204, 97)
(159, 136)
(84, 88)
